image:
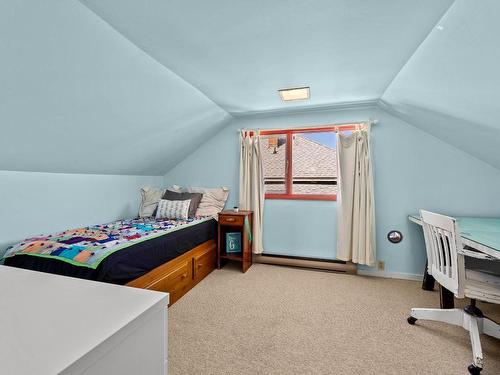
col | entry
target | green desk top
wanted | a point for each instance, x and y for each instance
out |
(484, 231)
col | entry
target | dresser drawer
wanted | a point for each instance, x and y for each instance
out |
(203, 264)
(176, 282)
(231, 220)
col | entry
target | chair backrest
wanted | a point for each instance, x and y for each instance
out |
(443, 244)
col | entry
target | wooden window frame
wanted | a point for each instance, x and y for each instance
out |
(288, 160)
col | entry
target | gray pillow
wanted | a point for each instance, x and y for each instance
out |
(195, 199)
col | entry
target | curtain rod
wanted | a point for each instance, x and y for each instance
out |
(370, 121)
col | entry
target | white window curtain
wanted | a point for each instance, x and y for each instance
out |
(355, 198)
(252, 183)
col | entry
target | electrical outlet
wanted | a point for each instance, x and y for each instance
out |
(381, 265)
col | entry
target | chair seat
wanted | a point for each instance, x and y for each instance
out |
(482, 286)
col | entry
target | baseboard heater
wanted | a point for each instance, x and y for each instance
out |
(319, 264)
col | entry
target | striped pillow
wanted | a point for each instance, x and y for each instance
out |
(173, 209)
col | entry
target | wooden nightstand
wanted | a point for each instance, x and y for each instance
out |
(237, 222)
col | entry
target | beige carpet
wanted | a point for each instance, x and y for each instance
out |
(278, 320)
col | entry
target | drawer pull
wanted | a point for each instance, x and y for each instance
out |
(230, 219)
(183, 276)
(200, 265)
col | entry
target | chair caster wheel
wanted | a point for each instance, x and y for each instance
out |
(474, 370)
(411, 320)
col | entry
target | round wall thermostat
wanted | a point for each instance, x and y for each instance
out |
(395, 236)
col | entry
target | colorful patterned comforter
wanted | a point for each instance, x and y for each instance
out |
(89, 246)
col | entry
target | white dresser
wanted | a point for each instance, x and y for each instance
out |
(52, 324)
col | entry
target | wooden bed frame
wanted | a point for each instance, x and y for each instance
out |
(181, 274)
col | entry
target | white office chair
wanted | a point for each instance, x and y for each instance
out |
(445, 256)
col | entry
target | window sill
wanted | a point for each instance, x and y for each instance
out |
(302, 197)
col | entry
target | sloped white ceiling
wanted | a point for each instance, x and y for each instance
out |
(450, 87)
(132, 87)
(76, 96)
(241, 52)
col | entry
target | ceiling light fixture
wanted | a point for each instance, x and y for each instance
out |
(294, 93)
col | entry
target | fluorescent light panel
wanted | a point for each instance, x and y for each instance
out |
(295, 93)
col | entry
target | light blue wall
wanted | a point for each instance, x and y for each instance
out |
(35, 203)
(412, 170)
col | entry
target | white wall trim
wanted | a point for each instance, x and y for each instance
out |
(391, 275)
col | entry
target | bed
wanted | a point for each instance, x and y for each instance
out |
(165, 255)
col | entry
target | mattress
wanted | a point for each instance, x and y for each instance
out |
(127, 263)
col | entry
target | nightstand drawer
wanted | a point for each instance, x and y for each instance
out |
(231, 220)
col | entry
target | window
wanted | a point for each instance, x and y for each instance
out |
(301, 163)
(273, 150)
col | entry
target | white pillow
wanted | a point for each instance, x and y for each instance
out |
(173, 209)
(212, 202)
(150, 198)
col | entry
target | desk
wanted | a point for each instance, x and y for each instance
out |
(480, 234)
